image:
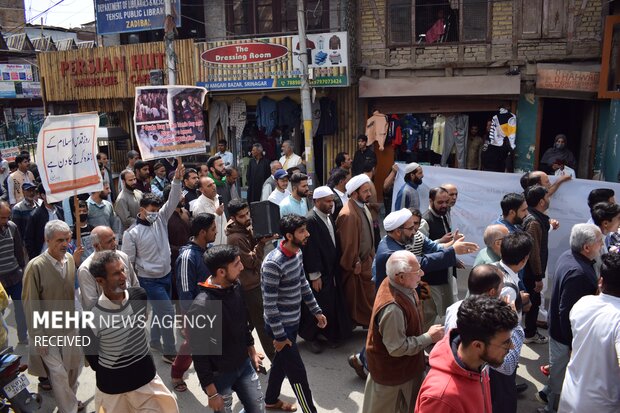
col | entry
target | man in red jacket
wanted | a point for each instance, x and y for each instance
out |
(458, 380)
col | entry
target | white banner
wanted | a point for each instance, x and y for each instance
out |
(66, 155)
(480, 193)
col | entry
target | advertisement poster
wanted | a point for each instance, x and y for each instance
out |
(273, 62)
(124, 16)
(66, 155)
(169, 121)
(12, 72)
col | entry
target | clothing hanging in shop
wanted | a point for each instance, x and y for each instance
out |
(289, 112)
(237, 116)
(316, 116)
(329, 117)
(455, 133)
(376, 129)
(503, 125)
(218, 112)
(411, 132)
(395, 132)
(438, 134)
(266, 114)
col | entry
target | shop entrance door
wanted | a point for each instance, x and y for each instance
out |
(577, 120)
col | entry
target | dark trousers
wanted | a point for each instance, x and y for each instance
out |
(288, 363)
(494, 158)
(254, 306)
(531, 316)
(15, 292)
(503, 392)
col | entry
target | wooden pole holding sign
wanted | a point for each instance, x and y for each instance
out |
(78, 224)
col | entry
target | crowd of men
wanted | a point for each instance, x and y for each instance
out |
(182, 238)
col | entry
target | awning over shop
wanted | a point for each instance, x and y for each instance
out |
(440, 86)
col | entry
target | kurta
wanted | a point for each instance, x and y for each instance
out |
(44, 290)
(321, 261)
(354, 229)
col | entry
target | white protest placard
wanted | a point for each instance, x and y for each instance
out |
(67, 155)
(169, 121)
(480, 193)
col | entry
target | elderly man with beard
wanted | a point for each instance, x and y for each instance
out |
(408, 195)
(284, 285)
(356, 237)
(321, 265)
(49, 284)
(102, 238)
(296, 203)
(396, 341)
(127, 203)
(239, 233)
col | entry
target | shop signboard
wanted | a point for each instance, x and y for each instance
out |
(125, 16)
(15, 73)
(66, 155)
(568, 77)
(169, 121)
(31, 89)
(273, 62)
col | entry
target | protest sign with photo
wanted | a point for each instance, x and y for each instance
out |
(169, 121)
(9, 154)
(67, 155)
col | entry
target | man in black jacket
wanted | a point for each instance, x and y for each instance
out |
(34, 234)
(234, 365)
(363, 155)
(439, 230)
(258, 172)
(574, 278)
(321, 264)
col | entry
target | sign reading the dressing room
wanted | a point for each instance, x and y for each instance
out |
(273, 62)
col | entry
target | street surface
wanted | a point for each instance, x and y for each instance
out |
(335, 386)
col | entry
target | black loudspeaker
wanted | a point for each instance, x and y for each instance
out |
(265, 218)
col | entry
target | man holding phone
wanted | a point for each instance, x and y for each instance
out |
(209, 202)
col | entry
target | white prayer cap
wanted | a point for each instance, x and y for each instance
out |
(396, 219)
(322, 192)
(355, 182)
(411, 167)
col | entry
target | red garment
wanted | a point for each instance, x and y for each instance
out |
(397, 139)
(436, 31)
(450, 388)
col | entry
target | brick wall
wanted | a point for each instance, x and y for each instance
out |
(584, 24)
(12, 16)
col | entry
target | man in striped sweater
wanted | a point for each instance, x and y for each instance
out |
(284, 285)
(118, 351)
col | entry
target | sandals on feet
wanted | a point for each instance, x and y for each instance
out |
(282, 406)
(179, 386)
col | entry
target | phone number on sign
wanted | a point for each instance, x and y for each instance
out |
(316, 82)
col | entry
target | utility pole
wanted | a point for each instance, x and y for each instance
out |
(169, 28)
(306, 104)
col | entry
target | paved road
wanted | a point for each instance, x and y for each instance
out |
(335, 387)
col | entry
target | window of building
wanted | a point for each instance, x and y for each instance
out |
(436, 21)
(542, 19)
(251, 17)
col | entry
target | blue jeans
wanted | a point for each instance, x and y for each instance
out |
(158, 294)
(15, 292)
(559, 356)
(243, 381)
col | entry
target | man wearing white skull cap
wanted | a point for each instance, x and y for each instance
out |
(408, 195)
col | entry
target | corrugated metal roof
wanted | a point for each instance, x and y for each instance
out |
(86, 45)
(66, 44)
(19, 42)
(44, 44)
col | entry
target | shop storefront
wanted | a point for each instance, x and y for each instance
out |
(254, 95)
(103, 80)
(418, 107)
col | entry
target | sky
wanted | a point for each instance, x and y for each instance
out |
(68, 13)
